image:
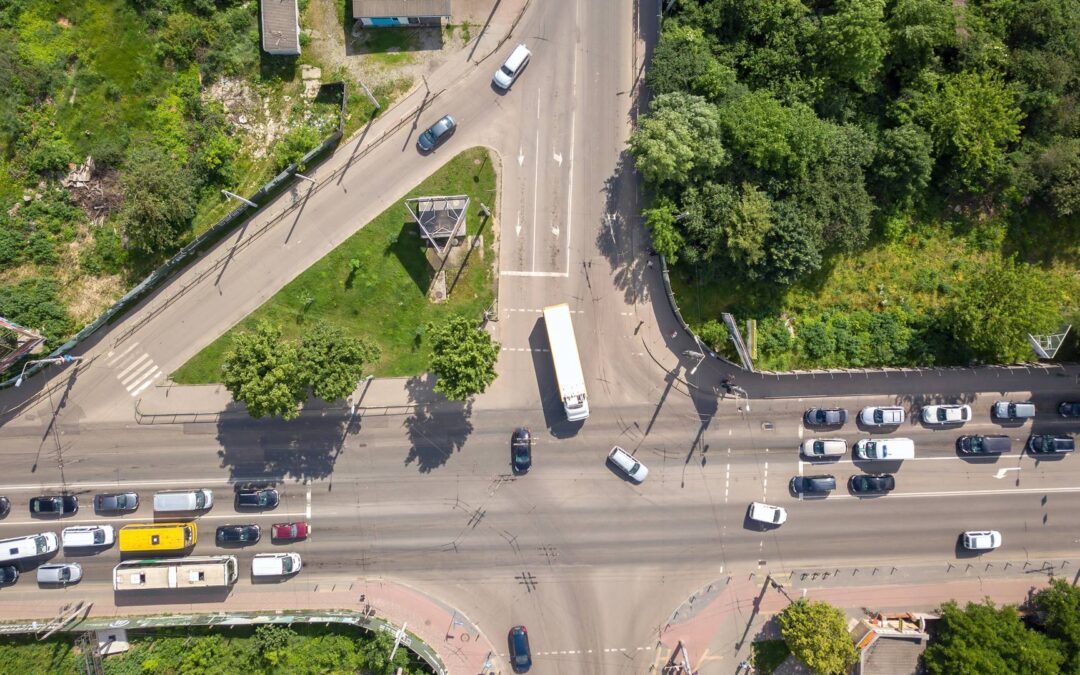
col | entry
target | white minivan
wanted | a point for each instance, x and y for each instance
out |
(275, 564)
(512, 67)
(183, 500)
(626, 463)
(885, 448)
(88, 536)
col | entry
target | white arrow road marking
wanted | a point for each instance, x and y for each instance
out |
(555, 230)
(517, 227)
(521, 156)
(558, 158)
(1001, 472)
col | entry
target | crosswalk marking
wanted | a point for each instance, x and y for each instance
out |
(135, 371)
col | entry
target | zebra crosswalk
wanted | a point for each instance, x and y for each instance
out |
(134, 368)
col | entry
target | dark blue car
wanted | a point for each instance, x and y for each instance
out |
(520, 656)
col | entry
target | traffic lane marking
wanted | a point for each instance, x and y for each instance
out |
(144, 520)
(956, 493)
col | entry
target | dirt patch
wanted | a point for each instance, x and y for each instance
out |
(87, 297)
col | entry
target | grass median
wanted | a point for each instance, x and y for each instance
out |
(375, 283)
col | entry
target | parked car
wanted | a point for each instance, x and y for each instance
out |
(9, 574)
(825, 417)
(1049, 444)
(116, 502)
(1008, 410)
(865, 484)
(984, 445)
(5, 507)
(238, 534)
(290, 530)
(54, 505)
(818, 448)
(59, 574)
(626, 463)
(263, 498)
(803, 485)
(881, 415)
(436, 133)
(520, 654)
(521, 450)
(767, 513)
(946, 414)
(1069, 408)
(982, 540)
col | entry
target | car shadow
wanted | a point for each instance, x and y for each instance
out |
(963, 553)
(878, 465)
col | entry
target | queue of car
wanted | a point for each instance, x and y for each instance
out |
(30, 548)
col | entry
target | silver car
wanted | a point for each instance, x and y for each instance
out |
(59, 574)
(436, 133)
(881, 415)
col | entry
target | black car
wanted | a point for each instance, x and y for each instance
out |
(984, 445)
(436, 133)
(1049, 444)
(238, 534)
(825, 417)
(116, 502)
(266, 498)
(802, 485)
(521, 450)
(871, 483)
(5, 507)
(1069, 408)
(9, 574)
(54, 505)
(520, 655)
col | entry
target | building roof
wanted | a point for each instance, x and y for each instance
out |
(386, 8)
(280, 26)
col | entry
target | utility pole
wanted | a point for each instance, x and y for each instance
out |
(237, 197)
(400, 638)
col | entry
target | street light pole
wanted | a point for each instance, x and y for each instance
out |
(66, 358)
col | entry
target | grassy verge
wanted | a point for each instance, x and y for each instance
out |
(768, 655)
(385, 298)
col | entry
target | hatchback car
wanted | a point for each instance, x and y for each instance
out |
(825, 417)
(290, 530)
(946, 414)
(806, 485)
(436, 134)
(521, 450)
(520, 654)
(869, 484)
(9, 574)
(819, 448)
(238, 534)
(54, 505)
(265, 498)
(1009, 410)
(982, 540)
(1049, 444)
(881, 415)
(767, 513)
(59, 574)
(116, 502)
(1069, 408)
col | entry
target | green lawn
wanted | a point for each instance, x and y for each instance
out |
(386, 300)
(768, 655)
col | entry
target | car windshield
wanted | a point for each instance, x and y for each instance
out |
(942, 414)
(506, 71)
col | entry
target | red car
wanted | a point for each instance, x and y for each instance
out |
(290, 530)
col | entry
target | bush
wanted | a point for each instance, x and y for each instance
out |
(295, 144)
(34, 303)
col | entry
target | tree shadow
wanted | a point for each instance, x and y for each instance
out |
(409, 248)
(276, 67)
(621, 240)
(272, 449)
(437, 428)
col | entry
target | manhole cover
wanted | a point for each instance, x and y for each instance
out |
(767, 426)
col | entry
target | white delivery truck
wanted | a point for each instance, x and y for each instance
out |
(564, 353)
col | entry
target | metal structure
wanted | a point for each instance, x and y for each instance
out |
(736, 337)
(25, 340)
(441, 219)
(1047, 346)
(87, 646)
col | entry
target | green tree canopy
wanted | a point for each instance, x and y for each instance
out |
(816, 633)
(463, 357)
(853, 41)
(683, 62)
(983, 639)
(263, 372)
(771, 136)
(1059, 607)
(679, 138)
(332, 362)
(903, 164)
(159, 199)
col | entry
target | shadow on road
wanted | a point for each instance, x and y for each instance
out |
(437, 428)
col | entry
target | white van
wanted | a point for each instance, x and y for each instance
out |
(30, 546)
(512, 67)
(275, 564)
(814, 448)
(86, 536)
(885, 448)
(183, 500)
(627, 464)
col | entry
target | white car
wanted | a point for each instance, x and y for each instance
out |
(946, 414)
(767, 513)
(881, 415)
(982, 540)
(87, 536)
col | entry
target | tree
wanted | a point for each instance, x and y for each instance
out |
(903, 164)
(1059, 607)
(680, 136)
(159, 199)
(263, 372)
(463, 357)
(816, 633)
(983, 639)
(660, 219)
(683, 62)
(770, 136)
(747, 225)
(35, 303)
(919, 29)
(332, 363)
(853, 41)
(793, 245)
(1058, 171)
(998, 305)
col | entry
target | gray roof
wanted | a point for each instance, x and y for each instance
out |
(383, 8)
(280, 26)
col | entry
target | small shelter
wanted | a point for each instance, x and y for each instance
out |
(280, 22)
(441, 219)
(389, 13)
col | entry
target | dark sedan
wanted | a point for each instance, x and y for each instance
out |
(116, 502)
(869, 484)
(238, 534)
(813, 485)
(520, 653)
(266, 498)
(825, 417)
(521, 450)
(1049, 444)
(1069, 408)
(436, 133)
(54, 505)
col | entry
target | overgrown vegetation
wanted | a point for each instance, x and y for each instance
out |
(374, 285)
(265, 649)
(877, 182)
